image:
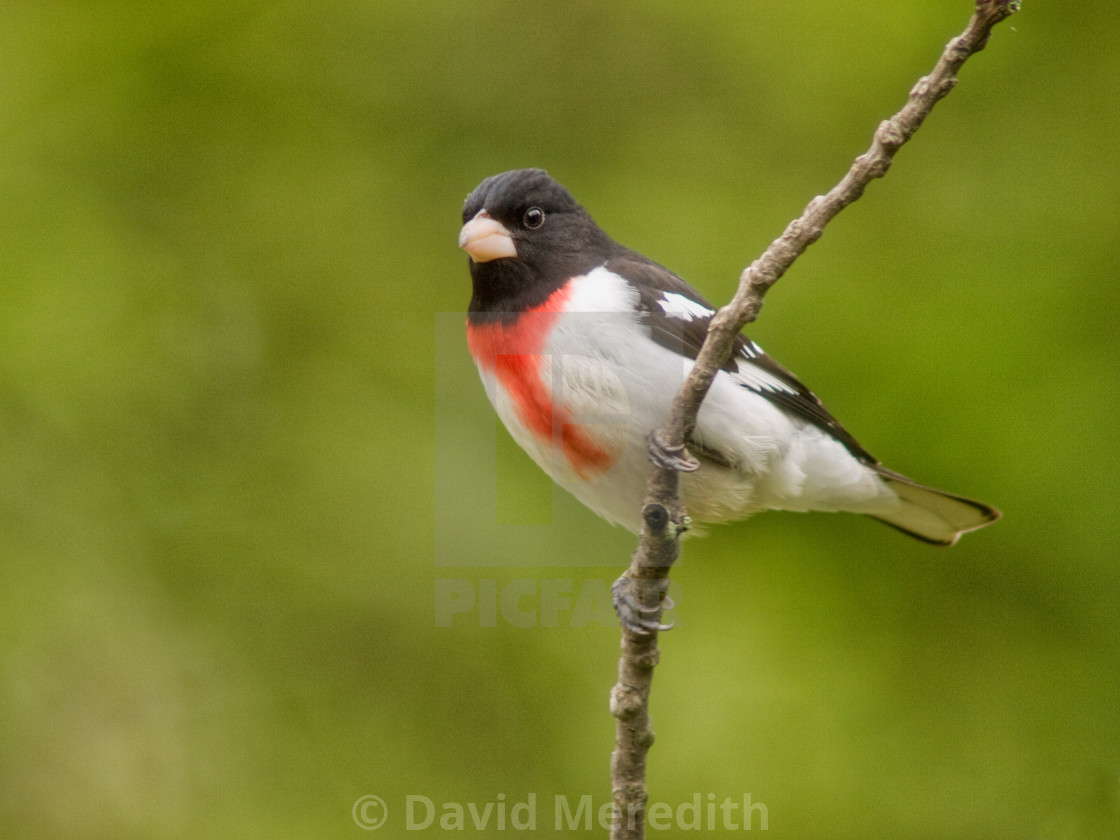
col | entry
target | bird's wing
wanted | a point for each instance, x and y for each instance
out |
(677, 317)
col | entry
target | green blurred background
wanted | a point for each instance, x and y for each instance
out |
(247, 472)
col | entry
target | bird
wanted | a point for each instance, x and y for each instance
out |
(582, 344)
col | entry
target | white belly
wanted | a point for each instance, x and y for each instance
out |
(614, 385)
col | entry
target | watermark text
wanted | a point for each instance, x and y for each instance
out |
(530, 812)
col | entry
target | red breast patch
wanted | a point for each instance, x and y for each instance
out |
(512, 352)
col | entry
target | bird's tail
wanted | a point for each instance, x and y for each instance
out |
(933, 515)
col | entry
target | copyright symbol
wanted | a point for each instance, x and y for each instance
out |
(369, 812)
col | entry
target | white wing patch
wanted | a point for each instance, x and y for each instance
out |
(678, 306)
(750, 349)
(759, 380)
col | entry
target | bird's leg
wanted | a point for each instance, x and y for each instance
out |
(670, 456)
(639, 602)
(641, 593)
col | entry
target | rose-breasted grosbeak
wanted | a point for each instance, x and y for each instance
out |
(582, 345)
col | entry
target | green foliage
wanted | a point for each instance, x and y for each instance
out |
(243, 447)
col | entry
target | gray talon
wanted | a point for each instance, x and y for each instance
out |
(632, 613)
(669, 456)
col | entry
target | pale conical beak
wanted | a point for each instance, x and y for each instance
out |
(486, 239)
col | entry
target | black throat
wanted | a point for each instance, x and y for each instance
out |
(502, 289)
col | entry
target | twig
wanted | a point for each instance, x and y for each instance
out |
(664, 515)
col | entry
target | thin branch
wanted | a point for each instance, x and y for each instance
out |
(664, 515)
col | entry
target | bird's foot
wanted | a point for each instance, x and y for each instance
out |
(670, 456)
(639, 604)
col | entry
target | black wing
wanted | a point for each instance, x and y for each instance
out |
(678, 316)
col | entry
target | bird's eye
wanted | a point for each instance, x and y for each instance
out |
(533, 218)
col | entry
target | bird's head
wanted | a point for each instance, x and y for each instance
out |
(526, 236)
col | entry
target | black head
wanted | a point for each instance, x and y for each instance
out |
(526, 236)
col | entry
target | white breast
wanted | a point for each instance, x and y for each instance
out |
(616, 384)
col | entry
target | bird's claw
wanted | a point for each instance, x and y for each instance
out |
(636, 617)
(670, 456)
